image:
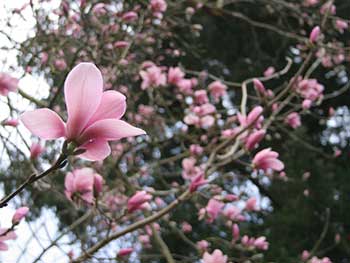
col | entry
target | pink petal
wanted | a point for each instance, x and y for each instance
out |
(44, 123)
(3, 246)
(110, 130)
(83, 91)
(84, 180)
(276, 165)
(96, 150)
(112, 106)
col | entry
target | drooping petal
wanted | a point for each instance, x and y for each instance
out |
(112, 106)
(109, 130)
(44, 123)
(83, 91)
(96, 150)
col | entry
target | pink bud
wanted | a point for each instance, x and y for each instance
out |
(98, 184)
(137, 201)
(125, 252)
(19, 214)
(198, 181)
(254, 139)
(235, 232)
(315, 33)
(203, 245)
(35, 150)
(186, 227)
(10, 122)
(305, 255)
(250, 204)
(259, 86)
(306, 104)
(269, 71)
(341, 25)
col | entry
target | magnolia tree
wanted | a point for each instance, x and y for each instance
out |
(151, 145)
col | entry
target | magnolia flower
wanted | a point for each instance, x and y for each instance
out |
(19, 214)
(121, 44)
(158, 6)
(213, 209)
(217, 90)
(82, 182)
(310, 2)
(35, 150)
(203, 245)
(254, 117)
(197, 181)
(233, 213)
(152, 77)
(254, 138)
(10, 122)
(201, 96)
(7, 84)
(250, 204)
(315, 33)
(175, 75)
(186, 227)
(60, 64)
(138, 200)
(4, 237)
(305, 255)
(267, 159)
(196, 149)
(93, 115)
(99, 9)
(269, 71)
(293, 120)
(259, 86)
(125, 252)
(216, 257)
(341, 25)
(129, 16)
(235, 232)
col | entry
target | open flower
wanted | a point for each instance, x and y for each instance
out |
(216, 257)
(93, 115)
(267, 159)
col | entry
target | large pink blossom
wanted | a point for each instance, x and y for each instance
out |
(7, 84)
(267, 159)
(93, 115)
(216, 257)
